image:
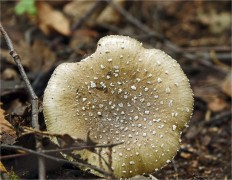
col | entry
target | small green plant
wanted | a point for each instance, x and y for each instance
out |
(26, 6)
(13, 176)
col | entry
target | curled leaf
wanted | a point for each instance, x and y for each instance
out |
(51, 20)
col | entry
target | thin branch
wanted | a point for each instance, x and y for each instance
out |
(12, 156)
(80, 148)
(151, 33)
(98, 5)
(219, 118)
(56, 159)
(34, 98)
(133, 20)
(77, 146)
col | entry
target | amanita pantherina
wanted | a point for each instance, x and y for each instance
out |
(122, 93)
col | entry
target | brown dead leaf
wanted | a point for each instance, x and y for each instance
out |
(7, 133)
(2, 168)
(44, 59)
(218, 104)
(206, 92)
(185, 155)
(36, 57)
(110, 15)
(103, 13)
(9, 74)
(22, 48)
(82, 37)
(206, 140)
(227, 84)
(16, 107)
(217, 22)
(77, 9)
(51, 20)
(209, 89)
(194, 163)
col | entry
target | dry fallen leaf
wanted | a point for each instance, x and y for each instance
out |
(217, 104)
(217, 22)
(227, 84)
(185, 155)
(210, 91)
(2, 168)
(110, 15)
(45, 57)
(77, 9)
(36, 57)
(103, 14)
(82, 37)
(9, 74)
(51, 20)
(7, 133)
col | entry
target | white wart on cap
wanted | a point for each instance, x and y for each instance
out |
(122, 93)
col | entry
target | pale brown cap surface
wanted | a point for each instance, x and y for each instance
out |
(122, 93)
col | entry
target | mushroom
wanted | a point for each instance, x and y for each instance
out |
(121, 93)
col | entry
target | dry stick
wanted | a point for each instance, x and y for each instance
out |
(67, 150)
(62, 150)
(34, 98)
(133, 20)
(56, 159)
(175, 168)
(77, 147)
(149, 32)
(80, 148)
(144, 28)
(93, 8)
(219, 118)
(12, 156)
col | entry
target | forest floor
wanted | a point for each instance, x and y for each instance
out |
(195, 33)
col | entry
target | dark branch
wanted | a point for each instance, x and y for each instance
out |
(133, 20)
(34, 98)
(56, 159)
(97, 6)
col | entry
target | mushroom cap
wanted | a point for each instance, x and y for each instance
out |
(121, 93)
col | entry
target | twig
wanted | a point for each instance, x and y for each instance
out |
(12, 156)
(73, 147)
(175, 168)
(208, 48)
(89, 13)
(168, 44)
(219, 118)
(134, 21)
(34, 98)
(112, 28)
(171, 46)
(201, 58)
(80, 148)
(55, 159)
